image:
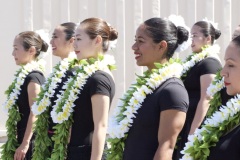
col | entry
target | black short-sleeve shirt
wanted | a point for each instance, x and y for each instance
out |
(208, 65)
(22, 102)
(82, 128)
(142, 140)
(228, 147)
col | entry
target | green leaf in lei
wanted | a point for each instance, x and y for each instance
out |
(9, 148)
(42, 140)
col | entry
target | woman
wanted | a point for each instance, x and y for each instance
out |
(199, 70)
(27, 47)
(62, 46)
(81, 111)
(149, 117)
(220, 135)
(217, 90)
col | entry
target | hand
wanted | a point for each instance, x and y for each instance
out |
(21, 152)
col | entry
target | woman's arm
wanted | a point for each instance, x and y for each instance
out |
(33, 90)
(203, 104)
(171, 123)
(100, 107)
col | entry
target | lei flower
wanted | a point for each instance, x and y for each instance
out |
(10, 106)
(214, 91)
(194, 58)
(220, 123)
(40, 108)
(64, 107)
(126, 110)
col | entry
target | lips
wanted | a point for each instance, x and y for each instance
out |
(226, 84)
(137, 55)
(53, 48)
(77, 52)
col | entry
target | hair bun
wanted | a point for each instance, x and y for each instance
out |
(113, 34)
(182, 34)
(217, 33)
(44, 46)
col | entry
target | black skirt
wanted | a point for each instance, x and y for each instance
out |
(81, 153)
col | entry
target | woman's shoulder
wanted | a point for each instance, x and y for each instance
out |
(210, 61)
(98, 75)
(36, 76)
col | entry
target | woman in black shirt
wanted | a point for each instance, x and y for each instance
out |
(152, 112)
(27, 47)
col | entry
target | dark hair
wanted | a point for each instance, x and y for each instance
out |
(160, 29)
(236, 41)
(208, 29)
(96, 26)
(30, 39)
(69, 29)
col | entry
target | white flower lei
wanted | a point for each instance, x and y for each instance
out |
(50, 85)
(19, 80)
(215, 86)
(214, 127)
(194, 58)
(77, 85)
(118, 129)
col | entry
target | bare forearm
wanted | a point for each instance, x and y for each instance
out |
(201, 112)
(164, 153)
(98, 142)
(29, 129)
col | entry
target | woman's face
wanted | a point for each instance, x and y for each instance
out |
(60, 46)
(236, 32)
(20, 55)
(198, 39)
(145, 50)
(84, 46)
(231, 69)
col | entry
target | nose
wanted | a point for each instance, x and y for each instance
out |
(223, 72)
(51, 41)
(134, 46)
(74, 45)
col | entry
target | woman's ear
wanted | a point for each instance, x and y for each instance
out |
(162, 45)
(209, 39)
(32, 50)
(71, 40)
(98, 40)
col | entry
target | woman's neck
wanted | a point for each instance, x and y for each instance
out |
(152, 66)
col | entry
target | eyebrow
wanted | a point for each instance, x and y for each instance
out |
(77, 35)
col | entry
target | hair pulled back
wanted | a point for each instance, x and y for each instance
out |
(69, 29)
(208, 30)
(160, 29)
(30, 38)
(96, 26)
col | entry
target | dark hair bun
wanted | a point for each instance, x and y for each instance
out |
(113, 34)
(44, 46)
(217, 33)
(182, 34)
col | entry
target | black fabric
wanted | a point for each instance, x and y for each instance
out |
(24, 108)
(224, 96)
(228, 147)
(209, 65)
(82, 129)
(142, 140)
